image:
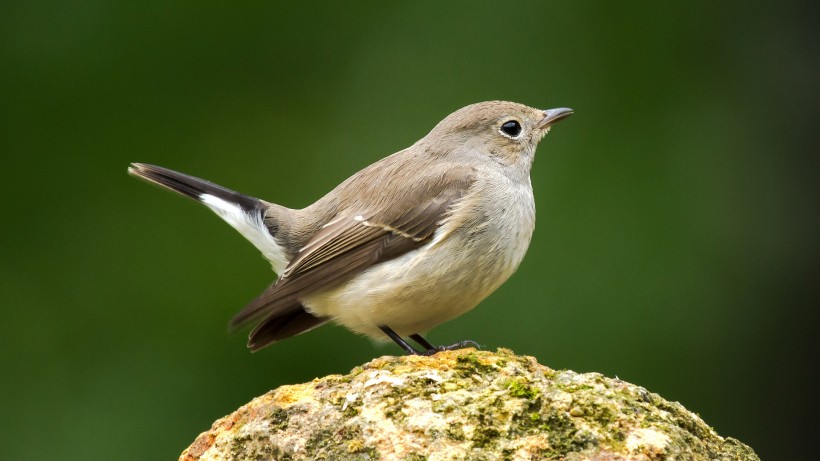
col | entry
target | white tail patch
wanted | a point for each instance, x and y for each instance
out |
(251, 227)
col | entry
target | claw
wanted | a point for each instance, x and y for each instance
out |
(451, 347)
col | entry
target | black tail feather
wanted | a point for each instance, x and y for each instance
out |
(191, 186)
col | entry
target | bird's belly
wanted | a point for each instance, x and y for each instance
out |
(422, 288)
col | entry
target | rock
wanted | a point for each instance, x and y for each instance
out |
(463, 405)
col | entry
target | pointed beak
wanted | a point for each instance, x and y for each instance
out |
(554, 115)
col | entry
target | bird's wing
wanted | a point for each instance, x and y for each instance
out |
(353, 241)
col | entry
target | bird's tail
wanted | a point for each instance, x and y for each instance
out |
(244, 213)
(191, 186)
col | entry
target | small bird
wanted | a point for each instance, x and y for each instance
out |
(411, 241)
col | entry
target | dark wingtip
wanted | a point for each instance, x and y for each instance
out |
(281, 326)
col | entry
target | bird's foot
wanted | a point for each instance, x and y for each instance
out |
(450, 347)
(429, 349)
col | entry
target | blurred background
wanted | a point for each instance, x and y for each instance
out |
(677, 236)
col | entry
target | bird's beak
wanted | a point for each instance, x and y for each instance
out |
(553, 115)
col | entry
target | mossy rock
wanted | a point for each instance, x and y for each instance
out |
(463, 405)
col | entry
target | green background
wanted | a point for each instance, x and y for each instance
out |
(677, 209)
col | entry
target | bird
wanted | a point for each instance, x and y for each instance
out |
(415, 239)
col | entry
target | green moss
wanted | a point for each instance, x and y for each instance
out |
(683, 421)
(278, 419)
(456, 433)
(357, 447)
(346, 443)
(735, 449)
(523, 423)
(415, 457)
(335, 380)
(564, 436)
(249, 447)
(573, 388)
(355, 372)
(350, 411)
(319, 440)
(470, 363)
(484, 436)
(392, 409)
(521, 389)
(601, 414)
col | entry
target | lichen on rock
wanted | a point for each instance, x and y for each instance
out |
(463, 405)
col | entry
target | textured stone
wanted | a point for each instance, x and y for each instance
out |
(463, 405)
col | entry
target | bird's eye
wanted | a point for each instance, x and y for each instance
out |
(511, 128)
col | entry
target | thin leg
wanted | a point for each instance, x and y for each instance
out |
(423, 342)
(398, 339)
(429, 349)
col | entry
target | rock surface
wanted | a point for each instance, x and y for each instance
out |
(463, 405)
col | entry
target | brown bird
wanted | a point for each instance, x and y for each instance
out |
(413, 240)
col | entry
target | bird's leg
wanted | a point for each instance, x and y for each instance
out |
(431, 349)
(423, 342)
(398, 339)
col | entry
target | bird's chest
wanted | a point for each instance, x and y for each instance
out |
(501, 228)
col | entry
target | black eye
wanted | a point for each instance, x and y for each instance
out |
(511, 128)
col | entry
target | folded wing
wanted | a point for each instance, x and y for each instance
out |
(350, 243)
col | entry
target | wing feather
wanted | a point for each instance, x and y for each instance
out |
(350, 243)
